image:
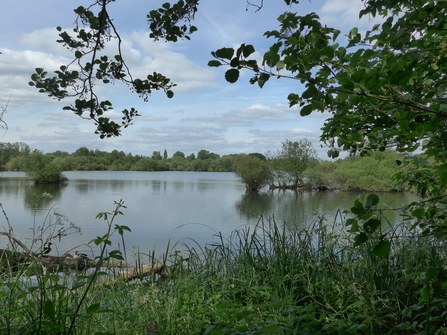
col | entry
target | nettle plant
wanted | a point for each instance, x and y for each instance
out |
(385, 89)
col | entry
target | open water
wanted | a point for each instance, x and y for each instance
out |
(163, 208)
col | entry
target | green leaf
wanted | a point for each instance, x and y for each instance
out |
(353, 32)
(381, 249)
(280, 65)
(93, 308)
(49, 309)
(272, 329)
(263, 78)
(371, 225)
(372, 200)
(306, 110)
(226, 53)
(357, 208)
(431, 274)
(248, 50)
(360, 239)
(214, 63)
(311, 92)
(271, 58)
(318, 105)
(418, 213)
(232, 75)
(426, 292)
(354, 225)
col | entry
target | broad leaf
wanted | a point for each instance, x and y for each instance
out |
(381, 249)
(232, 75)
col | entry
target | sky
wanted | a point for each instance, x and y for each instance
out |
(206, 112)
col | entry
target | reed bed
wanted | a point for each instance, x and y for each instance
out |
(264, 279)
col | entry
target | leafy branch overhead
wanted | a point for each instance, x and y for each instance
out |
(90, 67)
(385, 89)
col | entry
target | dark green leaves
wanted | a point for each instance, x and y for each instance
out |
(236, 59)
(214, 63)
(232, 75)
(371, 201)
(164, 22)
(226, 53)
(89, 37)
(381, 249)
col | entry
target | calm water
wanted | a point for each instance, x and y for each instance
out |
(180, 207)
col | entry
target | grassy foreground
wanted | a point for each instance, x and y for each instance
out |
(262, 280)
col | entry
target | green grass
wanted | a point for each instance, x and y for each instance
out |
(266, 279)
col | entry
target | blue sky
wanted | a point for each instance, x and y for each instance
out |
(206, 111)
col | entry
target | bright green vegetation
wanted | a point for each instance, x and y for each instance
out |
(290, 162)
(267, 279)
(42, 170)
(254, 172)
(294, 165)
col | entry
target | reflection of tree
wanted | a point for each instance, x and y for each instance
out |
(294, 208)
(253, 205)
(39, 197)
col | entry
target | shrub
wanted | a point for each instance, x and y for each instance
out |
(254, 172)
(41, 170)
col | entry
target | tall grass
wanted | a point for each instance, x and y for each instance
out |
(263, 279)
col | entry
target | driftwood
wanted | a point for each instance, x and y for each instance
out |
(16, 260)
(145, 270)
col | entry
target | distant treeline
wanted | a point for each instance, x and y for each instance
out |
(370, 173)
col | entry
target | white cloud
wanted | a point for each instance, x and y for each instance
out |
(148, 56)
(247, 116)
(16, 68)
(344, 13)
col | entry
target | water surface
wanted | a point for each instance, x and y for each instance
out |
(162, 207)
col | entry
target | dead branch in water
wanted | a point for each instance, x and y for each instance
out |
(17, 260)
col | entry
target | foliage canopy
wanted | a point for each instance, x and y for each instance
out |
(384, 89)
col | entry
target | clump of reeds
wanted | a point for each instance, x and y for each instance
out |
(269, 278)
(280, 279)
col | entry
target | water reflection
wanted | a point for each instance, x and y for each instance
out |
(158, 203)
(39, 197)
(252, 205)
(300, 209)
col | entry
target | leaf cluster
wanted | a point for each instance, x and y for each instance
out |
(91, 67)
(163, 21)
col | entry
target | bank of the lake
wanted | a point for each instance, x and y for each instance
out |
(259, 281)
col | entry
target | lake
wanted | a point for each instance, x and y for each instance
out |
(162, 208)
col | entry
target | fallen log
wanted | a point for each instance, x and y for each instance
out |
(15, 261)
(144, 271)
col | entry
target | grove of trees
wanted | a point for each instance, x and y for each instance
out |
(294, 166)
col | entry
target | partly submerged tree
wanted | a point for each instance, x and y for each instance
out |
(290, 162)
(254, 172)
(41, 170)
(385, 88)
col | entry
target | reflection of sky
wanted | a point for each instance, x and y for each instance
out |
(163, 206)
